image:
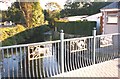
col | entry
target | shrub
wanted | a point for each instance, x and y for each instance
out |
(23, 35)
(77, 27)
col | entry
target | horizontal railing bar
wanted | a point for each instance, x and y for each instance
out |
(24, 45)
(47, 42)
(78, 38)
(108, 34)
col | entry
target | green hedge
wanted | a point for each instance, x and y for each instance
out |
(28, 36)
(77, 27)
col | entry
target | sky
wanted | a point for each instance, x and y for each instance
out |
(7, 3)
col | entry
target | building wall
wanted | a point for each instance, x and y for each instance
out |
(109, 28)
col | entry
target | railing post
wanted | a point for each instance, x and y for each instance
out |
(62, 50)
(94, 42)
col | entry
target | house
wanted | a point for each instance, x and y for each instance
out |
(111, 18)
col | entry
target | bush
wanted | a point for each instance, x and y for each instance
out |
(7, 32)
(76, 27)
(20, 28)
(23, 35)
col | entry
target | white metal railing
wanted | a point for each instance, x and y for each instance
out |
(46, 59)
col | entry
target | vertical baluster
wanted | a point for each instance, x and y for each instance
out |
(46, 59)
(55, 55)
(25, 55)
(99, 54)
(75, 59)
(92, 54)
(36, 68)
(47, 68)
(107, 56)
(40, 71)
(104, 53)
(21, 68)
(50, 68)
(53, 66)
(87, 53)
(82, 58)
(70, 59)
(78, 59)
(2, 60)
(42, 67)
(8, 64)
(100, 51)
(29, 71)
(114, 44)
(65, 56)
(16, 50)
(12, 63)
(33, 70)
(58, 57)
(89, 60)
(96, 53)
(90, 46)
(68, 55)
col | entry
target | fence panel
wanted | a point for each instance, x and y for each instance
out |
(47, 59)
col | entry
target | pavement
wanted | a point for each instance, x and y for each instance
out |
(109, 68)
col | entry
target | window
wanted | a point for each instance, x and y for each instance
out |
(112, 19)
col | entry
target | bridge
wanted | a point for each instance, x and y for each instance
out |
(92, 56)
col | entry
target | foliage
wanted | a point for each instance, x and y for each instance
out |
(26, 8)
(33, 13)
(14, 13)
(10, 31)
(37, 16)
(77, 27)
(82, 8)
(3, 15)
(52, 12)
(24, 35)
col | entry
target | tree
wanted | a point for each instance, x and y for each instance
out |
(52, 12)
(14, 13)
(82, 8)
(33, 13)
(71, 8)
(37, 16)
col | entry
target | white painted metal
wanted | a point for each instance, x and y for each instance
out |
(61, 59)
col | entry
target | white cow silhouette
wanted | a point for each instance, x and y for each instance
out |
(39, 51)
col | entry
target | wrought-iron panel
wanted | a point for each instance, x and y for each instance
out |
(105, 41)
(38, 51)
(78, 45)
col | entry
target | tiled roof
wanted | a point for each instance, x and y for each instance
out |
(114, 5)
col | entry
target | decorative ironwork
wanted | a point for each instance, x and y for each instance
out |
(78, 45)
(37, 51)
(105, 41)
